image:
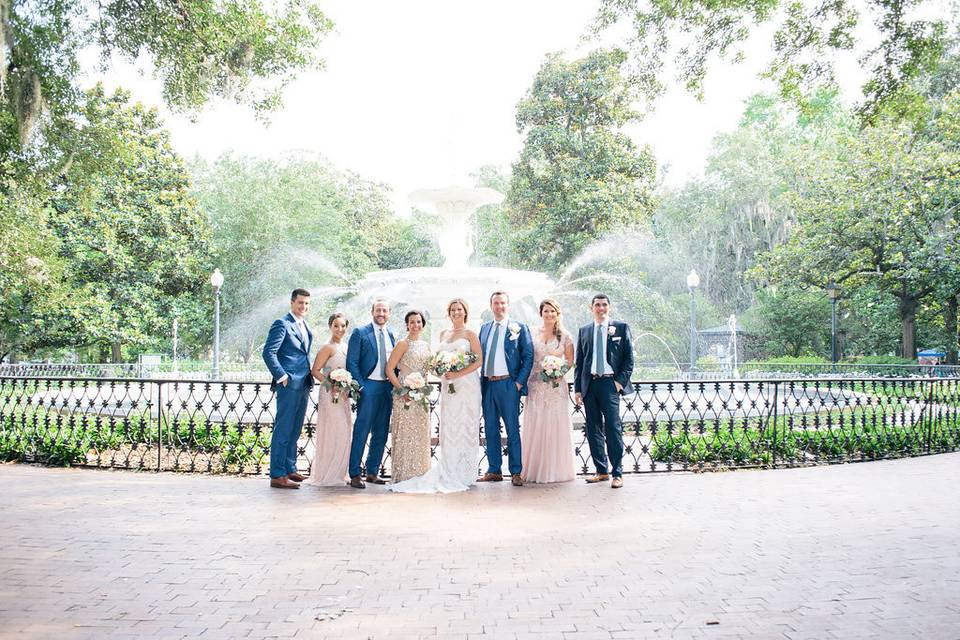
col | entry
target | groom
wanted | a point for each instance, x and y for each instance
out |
(604, 366)
(507, 361)
(367, 354)
(287, 356)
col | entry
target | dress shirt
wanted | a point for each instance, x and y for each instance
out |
(381, 357)
(497, 351)
(604, 328)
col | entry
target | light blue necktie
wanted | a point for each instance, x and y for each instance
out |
(492, 350)
(382, 356)
(598, 355)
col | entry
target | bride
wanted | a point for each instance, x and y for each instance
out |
(456, 469)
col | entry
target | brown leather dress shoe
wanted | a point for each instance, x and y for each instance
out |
(516, 480)
(600, 477)
(376, 480)
(617, 482)
(357, 482)
(491, 477)
(283, 483)
(296, 477)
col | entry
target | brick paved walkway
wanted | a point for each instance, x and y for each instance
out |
(865, 550)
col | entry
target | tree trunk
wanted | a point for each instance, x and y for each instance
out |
(115, 352)
(950, 322)
(908, 325)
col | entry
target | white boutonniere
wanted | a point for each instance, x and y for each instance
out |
(611, 330)
(514, 329)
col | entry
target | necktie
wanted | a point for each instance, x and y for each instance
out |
(598, 356)
(382, 356)
(492, 350)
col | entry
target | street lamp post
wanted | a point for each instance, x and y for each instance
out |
(216, 281)
(833, 292)
(693, 281)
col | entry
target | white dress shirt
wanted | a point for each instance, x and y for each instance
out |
(381, 357)
(604, 328)
(497, 351)
(302, 328)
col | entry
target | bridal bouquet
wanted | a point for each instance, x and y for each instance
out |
(552, 369)
(414, 390)
(444, 361)
(339, 381)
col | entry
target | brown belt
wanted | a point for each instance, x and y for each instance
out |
(497, 378)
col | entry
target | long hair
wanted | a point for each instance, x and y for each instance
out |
(558, 329)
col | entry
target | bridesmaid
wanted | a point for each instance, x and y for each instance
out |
(547, 436)
(331, 439)
(409, 428)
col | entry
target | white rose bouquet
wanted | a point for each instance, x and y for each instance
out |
(339, 381)
(414, 391)
(444, 361)
(552, 369)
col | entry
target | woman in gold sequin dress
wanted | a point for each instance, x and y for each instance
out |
(409, 427)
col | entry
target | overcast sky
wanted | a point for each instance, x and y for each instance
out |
(419, 94)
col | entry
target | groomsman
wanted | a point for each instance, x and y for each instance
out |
(367, 354)
(507, 361)
(604, 366)
(287, 355)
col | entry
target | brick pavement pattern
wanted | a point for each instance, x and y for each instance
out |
(848, 551)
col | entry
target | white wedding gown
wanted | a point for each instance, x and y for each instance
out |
(459, 450)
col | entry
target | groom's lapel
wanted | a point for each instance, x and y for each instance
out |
(372, 337)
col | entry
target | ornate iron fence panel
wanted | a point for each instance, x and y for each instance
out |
(225, 427)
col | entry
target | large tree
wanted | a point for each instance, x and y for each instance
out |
(880, 209)
(578, 176)
(133, 242)
(809, 35)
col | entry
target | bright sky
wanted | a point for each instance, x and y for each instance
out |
(419, 94)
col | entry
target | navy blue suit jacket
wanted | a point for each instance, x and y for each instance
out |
(519, 354)
(362, 352)
(286, 354)
(619, 356)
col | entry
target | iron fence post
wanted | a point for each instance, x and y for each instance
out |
(776, 386)
(159, 424)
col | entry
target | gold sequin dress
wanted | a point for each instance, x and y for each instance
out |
(410, 428)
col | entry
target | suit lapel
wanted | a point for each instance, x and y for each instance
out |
(484, 332)
(296, 331)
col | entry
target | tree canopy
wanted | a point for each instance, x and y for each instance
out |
(809, 36)
(245, 50)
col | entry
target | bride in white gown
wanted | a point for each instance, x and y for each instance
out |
(459, 452)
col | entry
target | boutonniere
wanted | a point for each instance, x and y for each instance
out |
(514, 329)
(611, 330)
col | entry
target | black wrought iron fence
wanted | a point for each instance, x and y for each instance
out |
(225, 427)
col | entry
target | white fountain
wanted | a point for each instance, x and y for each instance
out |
(431, 288)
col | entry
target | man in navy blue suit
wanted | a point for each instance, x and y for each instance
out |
(367, 354)
(287, 356)
(604, 366)
(507, 360)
